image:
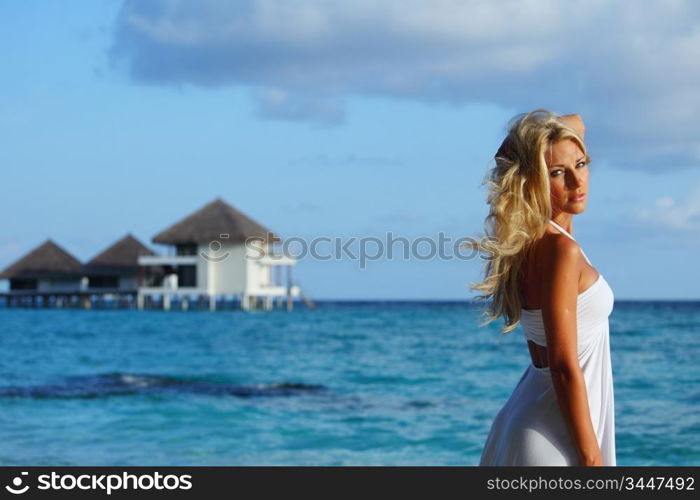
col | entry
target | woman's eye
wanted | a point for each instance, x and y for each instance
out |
(580, 164)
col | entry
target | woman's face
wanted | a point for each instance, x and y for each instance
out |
(568, 177)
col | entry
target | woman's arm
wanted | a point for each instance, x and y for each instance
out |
(559, 301)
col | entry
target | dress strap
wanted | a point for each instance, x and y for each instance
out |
(585, 257)
(566, 233)
(561, 229)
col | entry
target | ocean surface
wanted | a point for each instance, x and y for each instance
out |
(363, 383)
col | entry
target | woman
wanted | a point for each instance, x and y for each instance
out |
(562, 410)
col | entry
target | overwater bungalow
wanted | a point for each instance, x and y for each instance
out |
(208, 257)
(215, 252)
(47, 270)
(116, 269)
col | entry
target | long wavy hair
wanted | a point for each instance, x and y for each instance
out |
(520, 208)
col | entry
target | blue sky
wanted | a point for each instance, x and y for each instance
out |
(348, 119)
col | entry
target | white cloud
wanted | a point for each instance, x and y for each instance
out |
(681, 215)
(630, 68)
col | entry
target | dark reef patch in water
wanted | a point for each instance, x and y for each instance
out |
(121, 384)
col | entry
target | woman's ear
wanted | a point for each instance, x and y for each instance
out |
(576, 123)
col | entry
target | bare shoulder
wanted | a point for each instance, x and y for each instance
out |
(557, 253)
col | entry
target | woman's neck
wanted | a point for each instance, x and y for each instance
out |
(565, 221)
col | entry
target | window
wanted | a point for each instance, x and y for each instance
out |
(186, 276)
(23, 284)
(186, 249)
(103, 282)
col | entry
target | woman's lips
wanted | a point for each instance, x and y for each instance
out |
(578, 197)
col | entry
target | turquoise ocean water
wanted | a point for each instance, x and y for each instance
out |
(374, 383)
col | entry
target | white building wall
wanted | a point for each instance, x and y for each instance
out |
(259, 275)
(225, 269)
(202, 268)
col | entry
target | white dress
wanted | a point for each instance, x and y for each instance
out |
(530, 429)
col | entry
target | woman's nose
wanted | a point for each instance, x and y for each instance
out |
(575, 180)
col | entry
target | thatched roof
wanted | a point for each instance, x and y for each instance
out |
(211, 221)
(120, 257)
(46, 260)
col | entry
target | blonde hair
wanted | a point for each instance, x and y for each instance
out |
(520, 208)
